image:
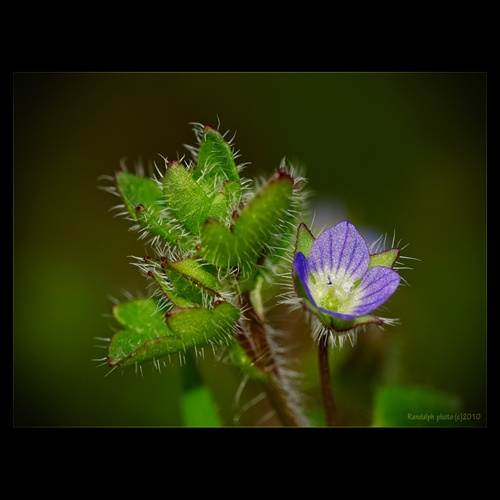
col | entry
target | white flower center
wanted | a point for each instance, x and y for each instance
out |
(333, 295)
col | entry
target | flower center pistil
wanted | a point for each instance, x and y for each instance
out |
(334, 296)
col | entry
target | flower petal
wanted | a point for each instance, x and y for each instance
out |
(378, 284)
(301, 267)
(339, 252)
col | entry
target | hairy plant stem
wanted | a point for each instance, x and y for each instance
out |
(326, 384)
(259, 346)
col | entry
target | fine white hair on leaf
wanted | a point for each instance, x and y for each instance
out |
(277, 253)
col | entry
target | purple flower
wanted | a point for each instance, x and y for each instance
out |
(340, 281)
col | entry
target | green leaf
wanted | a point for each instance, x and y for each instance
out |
(218, 174)
(199, 272)
(253, 229)
(216, 159)
(385, 259)
(258, 221)
(148, 335)
(145, 336)
(130, 347)
(415, 406)
(284, 234)
(185, 197)
(225, 201)
(217, 245)
(140, 315)
(137, 190)
(143, 199)
(183, 281)
(199, 326)
(179, 290)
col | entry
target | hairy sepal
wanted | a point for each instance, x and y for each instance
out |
(385, 259)
(304, 241)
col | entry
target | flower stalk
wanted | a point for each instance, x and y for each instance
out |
(326, 384)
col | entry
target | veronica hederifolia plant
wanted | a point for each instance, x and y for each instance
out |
(217, 242)
(220, 244)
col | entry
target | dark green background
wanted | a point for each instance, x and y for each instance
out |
(395, 151)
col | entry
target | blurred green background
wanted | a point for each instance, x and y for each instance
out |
(390, 151)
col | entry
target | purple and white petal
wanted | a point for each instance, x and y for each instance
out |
(378, 284)
(301, 266)
(340, 252)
